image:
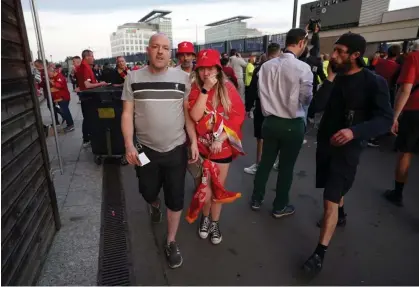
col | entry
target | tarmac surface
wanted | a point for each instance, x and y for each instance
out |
(378, 246)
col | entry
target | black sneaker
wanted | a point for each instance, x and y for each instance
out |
(155, 212)
(256, 204)
(174, 258)
(394, 197)
(313, 265)
(215, 232)
(287, 210)
(341, 222)
(204, 226)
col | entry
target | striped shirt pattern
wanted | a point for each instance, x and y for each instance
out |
(158, 107)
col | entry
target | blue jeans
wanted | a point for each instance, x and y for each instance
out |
(65, 112)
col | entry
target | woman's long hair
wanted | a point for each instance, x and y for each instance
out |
(221, 92)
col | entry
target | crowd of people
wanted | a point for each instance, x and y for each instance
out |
(189, 118)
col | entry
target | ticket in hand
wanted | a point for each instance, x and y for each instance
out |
(143, 159)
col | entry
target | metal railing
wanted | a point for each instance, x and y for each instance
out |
(247, 45)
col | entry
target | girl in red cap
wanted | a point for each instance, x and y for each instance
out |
(218, 111)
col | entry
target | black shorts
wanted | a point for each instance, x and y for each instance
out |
(167, 170)
(220, 160)
(407, 140)
(258, 120)
(336, 169)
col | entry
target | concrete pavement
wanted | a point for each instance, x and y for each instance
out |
(378, 246)
(73, 256)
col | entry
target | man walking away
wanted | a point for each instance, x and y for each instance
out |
(285, 91)
(358, 108)
(149, 94)
(248, 78)
(407, 127)
(274, 51)
(238, 64)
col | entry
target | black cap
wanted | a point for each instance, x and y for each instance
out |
(355, 43)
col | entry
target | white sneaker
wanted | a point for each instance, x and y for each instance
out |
(251, 169)
(304, 141)
(276, 165)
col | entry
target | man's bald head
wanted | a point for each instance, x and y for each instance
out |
(158, 51)
(160, 37)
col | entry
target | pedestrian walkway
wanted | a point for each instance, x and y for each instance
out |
(73, 257)
(378, 246)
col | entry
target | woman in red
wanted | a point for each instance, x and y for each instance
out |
(218, 111)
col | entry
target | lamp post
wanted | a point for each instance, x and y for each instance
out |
(196, 32)
(294, 15)
(50, 56)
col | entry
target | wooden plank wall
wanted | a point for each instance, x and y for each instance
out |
(29, 214)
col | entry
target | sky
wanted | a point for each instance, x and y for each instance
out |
(68, 27)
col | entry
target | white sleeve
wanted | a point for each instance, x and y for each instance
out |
(306, 86)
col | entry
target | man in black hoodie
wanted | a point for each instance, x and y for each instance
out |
(356, 108)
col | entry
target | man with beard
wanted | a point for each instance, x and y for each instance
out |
(185, 54)
(357, 109)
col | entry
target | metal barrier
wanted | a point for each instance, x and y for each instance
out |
(247, 45)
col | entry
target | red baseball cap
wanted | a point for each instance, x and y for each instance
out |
(185, 48)
(208, 58)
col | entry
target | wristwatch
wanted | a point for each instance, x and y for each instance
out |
(204, 91)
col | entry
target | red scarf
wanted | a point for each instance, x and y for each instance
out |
(123, 73)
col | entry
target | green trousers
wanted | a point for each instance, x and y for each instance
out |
(286, 137)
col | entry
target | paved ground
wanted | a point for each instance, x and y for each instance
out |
(379, 245)
(73, 257)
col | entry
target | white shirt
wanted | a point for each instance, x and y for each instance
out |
(285, 87)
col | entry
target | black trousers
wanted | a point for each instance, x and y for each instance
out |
(85, 124)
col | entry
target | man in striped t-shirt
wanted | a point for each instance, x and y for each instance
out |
(155, 106)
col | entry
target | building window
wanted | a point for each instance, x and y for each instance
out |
(136, 48)
(132, 42)
(136, 41)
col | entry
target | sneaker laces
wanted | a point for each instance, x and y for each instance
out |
(205, 224)
(215, 230)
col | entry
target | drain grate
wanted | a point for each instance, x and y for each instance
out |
(114, 265)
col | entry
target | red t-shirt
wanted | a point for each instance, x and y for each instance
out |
(85, 73)
(387, 69)
(410, 75)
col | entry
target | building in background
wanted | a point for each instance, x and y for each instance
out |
(229, 29)
(163, 23)
(370, 18)
(131, 38)
(336, 14)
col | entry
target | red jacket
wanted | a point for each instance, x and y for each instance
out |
(59, 88)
